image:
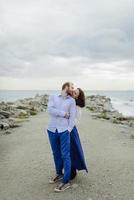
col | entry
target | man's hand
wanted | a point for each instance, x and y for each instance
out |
(67, 115)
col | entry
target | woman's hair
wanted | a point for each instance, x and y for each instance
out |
(80, 101)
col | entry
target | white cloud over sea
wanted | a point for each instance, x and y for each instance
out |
(46, 42)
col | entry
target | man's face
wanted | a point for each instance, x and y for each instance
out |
(70, 89)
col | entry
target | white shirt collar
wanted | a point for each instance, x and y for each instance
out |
(63, 94)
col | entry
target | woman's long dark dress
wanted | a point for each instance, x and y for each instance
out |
(77, 154)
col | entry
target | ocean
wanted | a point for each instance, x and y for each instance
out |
(123, 101)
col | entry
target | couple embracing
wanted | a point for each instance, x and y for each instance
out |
(63, 135)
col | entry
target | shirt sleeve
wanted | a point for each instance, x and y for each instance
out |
(72, 115)
(51, 108)
(78, 114)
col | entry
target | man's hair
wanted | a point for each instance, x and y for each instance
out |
(65, 84)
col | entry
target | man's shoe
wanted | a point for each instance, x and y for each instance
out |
(56, 179)
(62, 187)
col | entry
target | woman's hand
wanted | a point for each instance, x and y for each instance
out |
(67, 115)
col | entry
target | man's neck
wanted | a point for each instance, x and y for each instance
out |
(63, 93)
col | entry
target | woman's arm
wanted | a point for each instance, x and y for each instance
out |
(72, 115)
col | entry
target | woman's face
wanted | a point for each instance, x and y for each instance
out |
(76, 94)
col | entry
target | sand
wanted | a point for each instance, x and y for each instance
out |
(26, 162)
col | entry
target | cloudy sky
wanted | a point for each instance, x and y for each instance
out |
(46, 42)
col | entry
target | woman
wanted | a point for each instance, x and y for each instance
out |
(77, 155)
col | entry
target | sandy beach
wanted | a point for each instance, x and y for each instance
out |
(26, 162)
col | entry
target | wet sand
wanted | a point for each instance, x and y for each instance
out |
(26, 162)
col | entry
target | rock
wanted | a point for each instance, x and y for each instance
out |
(38, 103)
(22, 107)
(115, 121)
(131, 123)
(2, 116)
(13, 124)
(5, 113)
(103, 115)
(22, 114)
(98, 103)
(4, 106)
(8, 123)
(101, 107)
(33, 112)
(37, 95)
(4, 125)
(91, 108)
(13, 113)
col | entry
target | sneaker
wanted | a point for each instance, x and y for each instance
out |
(56, 179)
(62, 187)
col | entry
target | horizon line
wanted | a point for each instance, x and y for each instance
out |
(59, 90)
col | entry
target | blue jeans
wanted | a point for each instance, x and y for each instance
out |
(60, 145)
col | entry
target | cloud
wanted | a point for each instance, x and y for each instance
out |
(49, 39)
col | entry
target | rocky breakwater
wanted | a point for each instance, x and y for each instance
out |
(101, 107)
(12, 114)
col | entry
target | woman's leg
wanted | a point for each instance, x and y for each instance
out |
(73, 173)
(77, 154)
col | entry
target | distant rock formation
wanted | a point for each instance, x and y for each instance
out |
(101, 107)
(13, 113)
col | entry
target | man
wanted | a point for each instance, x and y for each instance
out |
(62, 112)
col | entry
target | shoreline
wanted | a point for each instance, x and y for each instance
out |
(14, 113)
(122, 100)
(101, 106)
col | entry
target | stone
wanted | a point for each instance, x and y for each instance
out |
(2, 116)
(101, 107)
(4, 125)
(98, 103)
(21, 114)
(12, 114)
(5, 113)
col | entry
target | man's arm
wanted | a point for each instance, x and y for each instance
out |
(52, 110)
(72, 115)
